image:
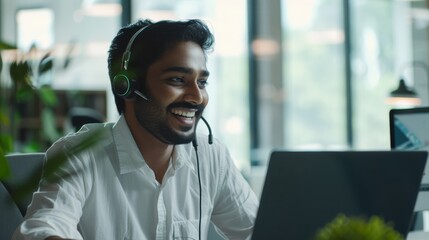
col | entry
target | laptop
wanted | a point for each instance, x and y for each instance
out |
(303, 191)
(409, 130)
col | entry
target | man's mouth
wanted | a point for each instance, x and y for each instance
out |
(186, 113)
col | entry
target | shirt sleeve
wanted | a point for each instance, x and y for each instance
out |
(236, 204)
(56, 206)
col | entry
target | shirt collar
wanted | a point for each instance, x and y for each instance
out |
(130, 158)
(183, 156)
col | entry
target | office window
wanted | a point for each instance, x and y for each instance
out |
(314, 71)
(381, 39)
(227, 111)
(313, 56)
(38, 33)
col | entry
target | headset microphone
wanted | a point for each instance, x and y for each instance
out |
(210, 130)
(138, 93)
(194, 142)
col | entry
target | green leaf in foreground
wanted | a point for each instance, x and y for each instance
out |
(5, 147)
(5, 45)
(4, 167)
(51, 169)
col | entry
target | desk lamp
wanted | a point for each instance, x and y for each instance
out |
(403, 96)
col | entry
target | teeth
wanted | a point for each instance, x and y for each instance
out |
(183, 113)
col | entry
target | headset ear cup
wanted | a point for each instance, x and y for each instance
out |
(123, 86)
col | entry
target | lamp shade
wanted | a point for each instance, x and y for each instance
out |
(403, 96)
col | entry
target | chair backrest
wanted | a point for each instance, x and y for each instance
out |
(16, 191)
(26, 171)
(10, 216)
(80, 116)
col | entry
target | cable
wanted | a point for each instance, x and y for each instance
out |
(194, 143)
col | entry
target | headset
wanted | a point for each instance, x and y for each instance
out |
(124, 85)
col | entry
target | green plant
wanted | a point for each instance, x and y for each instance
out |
(25, 81)
(354, 228)
(6, 140)
(25, 78)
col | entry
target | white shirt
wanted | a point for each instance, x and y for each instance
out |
(113, 194)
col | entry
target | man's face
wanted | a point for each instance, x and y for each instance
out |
(176, 86)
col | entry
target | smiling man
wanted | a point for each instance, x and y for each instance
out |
(145, 178)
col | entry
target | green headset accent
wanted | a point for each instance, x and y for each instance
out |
(124, 84)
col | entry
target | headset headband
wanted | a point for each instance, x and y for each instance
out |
(127, 54)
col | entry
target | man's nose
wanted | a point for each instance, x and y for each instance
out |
(194, 94)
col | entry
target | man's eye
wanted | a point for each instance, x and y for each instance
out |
(202, 83)
(176, 79)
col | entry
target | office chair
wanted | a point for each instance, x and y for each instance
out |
(80, 116)
(10, 216)
(26, 171)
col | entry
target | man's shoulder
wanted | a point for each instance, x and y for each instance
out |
(207, 141)
(88, 136)
(216, 150)
(91, 130)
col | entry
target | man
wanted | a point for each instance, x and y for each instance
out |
(144, 179)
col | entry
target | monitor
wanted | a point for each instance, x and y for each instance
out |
(409, 130)
(303, 191)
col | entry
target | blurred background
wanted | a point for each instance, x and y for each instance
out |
(290, 74)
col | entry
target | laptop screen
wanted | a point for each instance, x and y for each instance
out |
(409, 130)
(303, 191)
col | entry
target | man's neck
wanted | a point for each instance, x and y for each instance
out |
(157, 154)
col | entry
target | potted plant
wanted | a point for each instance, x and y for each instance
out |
(355, 228)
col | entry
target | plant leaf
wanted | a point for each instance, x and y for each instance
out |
(51, 168)
(1, 63)
(4, 120)
(45, 64)
(6, 143)
(49, 125)
(24, 92)
(69, 54)
(20, 73)
(4, 166)
(48, 97)
(31, 147)
(4, 45)
(356, 228)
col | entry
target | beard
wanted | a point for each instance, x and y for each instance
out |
(152, 116)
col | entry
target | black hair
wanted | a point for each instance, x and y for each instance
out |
(151, 44)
